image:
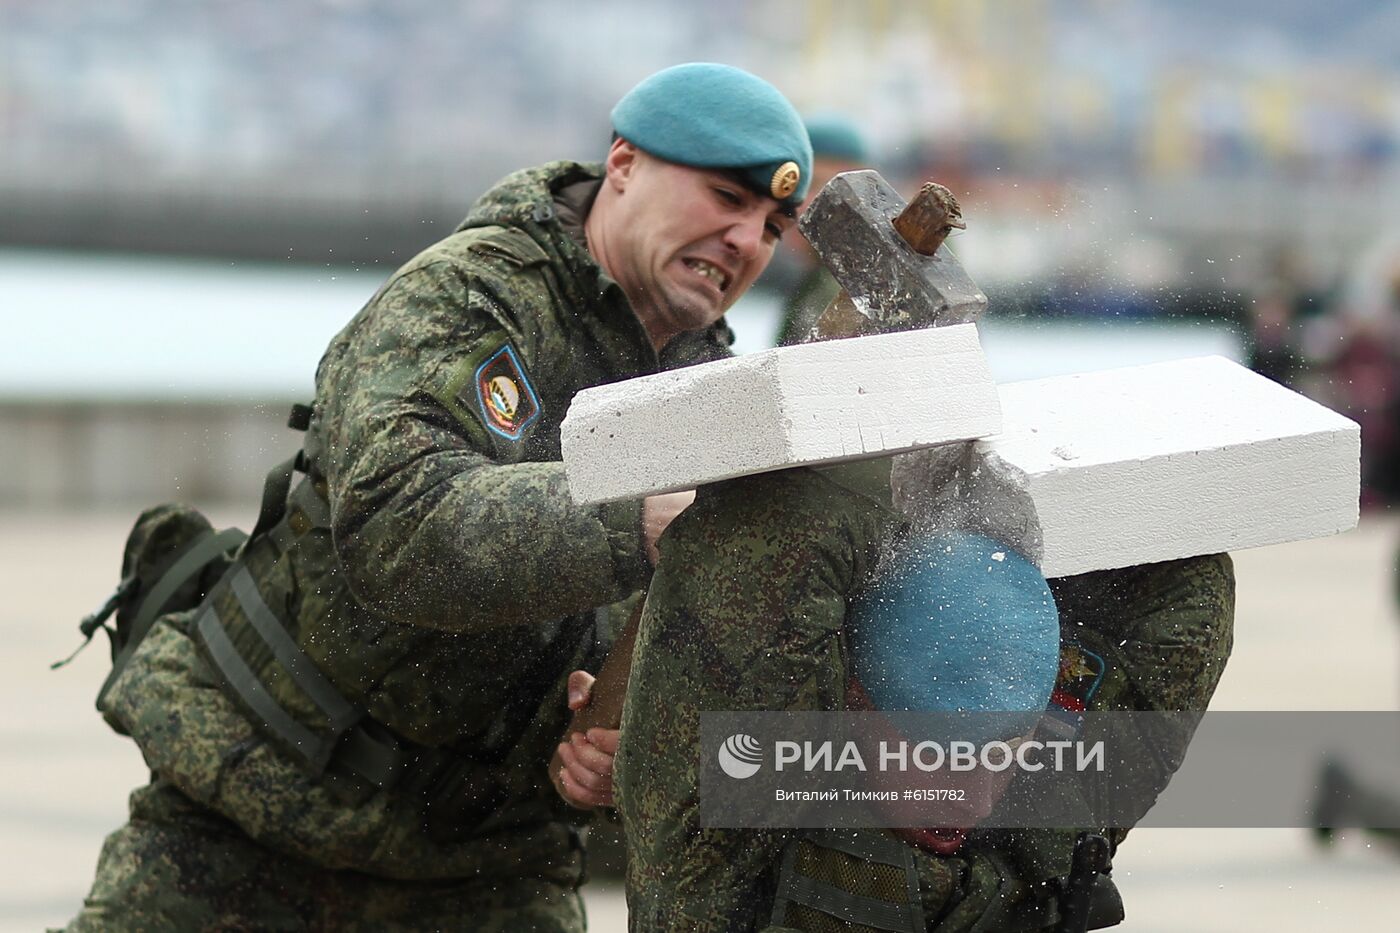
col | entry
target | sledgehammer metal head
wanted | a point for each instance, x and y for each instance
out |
(872, 241)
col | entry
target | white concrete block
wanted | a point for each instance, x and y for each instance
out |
(1143, 464)
(805, 405)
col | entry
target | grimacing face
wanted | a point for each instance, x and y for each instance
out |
(684, 243)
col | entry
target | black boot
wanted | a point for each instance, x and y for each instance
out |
(1343, 802)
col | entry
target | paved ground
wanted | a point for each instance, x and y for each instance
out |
(1316, 630)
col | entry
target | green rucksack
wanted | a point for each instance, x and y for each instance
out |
(172, 559)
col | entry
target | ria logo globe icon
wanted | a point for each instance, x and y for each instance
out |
(741, 756)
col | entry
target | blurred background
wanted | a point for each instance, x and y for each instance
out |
(195, 196)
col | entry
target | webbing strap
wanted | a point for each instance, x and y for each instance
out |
(274, 498)
(303, 670)
(866, 845)
(378, 761)
(197, 555)
(240, 677)
(852, 908)
(316, 509)
(372, 753)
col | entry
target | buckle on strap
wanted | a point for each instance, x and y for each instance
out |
(97, 619)
(1084, 903)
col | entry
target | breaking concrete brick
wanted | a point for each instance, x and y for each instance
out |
(806, 405)
(1143, 464)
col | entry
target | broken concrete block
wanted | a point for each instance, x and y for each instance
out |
(1143, 464)
(803, 405)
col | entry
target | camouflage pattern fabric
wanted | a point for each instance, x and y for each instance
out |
(745, 613)
(435, 599)
(1165, 632)
(198, 741)
(1169, 625)
(178, 867)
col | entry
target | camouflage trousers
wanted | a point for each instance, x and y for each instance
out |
(745, 612)
(176, 866)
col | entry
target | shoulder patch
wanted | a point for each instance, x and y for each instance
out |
(501, 393)
(1080, 674)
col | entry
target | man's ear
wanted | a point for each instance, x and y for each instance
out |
(621, 163)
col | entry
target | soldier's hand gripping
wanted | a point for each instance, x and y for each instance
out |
(581, 769)
(657, 513)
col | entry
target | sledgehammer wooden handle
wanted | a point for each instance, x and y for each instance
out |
(927, 220)
(610, 689)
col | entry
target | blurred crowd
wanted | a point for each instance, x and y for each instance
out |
(1341, 347)
(1123, 160)
(265, 87)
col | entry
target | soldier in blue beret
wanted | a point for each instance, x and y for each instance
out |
(698, 147)
(351, 729)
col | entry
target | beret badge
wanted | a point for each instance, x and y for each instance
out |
(785, 181)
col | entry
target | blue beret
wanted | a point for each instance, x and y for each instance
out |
(717, 116)
(835, 137)
(957, 622)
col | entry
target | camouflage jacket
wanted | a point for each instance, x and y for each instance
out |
(452, 523)
(454, 556)
(746, 612)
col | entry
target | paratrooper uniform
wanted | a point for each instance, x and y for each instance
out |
(746, 612)
(354, 726)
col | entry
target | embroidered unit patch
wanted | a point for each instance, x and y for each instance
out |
(507, 401)
(1081, 671)
(1078, 679)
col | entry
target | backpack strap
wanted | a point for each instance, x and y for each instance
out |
(279, 478)
(275, 489)
(187, 564)
(372, 754)
(351, 739)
